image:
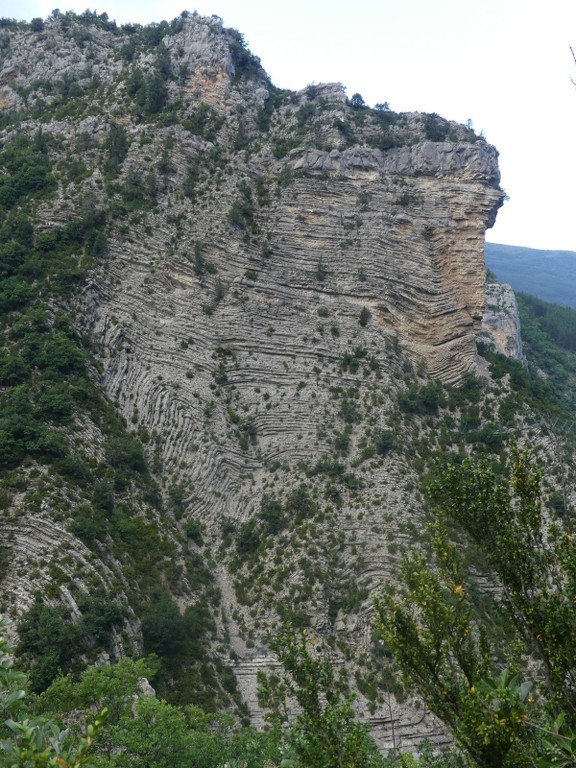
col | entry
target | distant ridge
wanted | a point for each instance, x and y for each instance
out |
(549, 275)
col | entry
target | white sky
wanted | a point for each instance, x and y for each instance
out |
(504, 64)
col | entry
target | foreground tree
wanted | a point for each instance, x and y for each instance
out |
(325, 734)
(27, 741)
(447, 657)
(496, 713)
(533, 557)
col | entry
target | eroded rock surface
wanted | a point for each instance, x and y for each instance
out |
(278, 268)
(501, 320)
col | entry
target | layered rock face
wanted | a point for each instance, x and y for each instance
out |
(278, 266)
(418, 242)
(501, 320)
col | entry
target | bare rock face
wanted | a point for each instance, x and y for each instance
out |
(501, 320)
(418, 241)
(278, 268)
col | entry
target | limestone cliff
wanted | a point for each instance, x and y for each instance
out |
(279, 268)
(501, 321)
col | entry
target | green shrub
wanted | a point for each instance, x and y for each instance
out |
(422, 400)
(365, 316)
(194, 530)
(384, 441)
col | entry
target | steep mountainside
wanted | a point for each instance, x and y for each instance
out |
(233, 318)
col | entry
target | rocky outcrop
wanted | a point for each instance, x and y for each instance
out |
(501, 320)
(278, 268)
(418, 242)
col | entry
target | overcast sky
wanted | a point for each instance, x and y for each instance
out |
(504, 64)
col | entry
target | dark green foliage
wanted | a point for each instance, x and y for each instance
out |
(27, 740)
(328, 466)
(139, 543)
(341, 440)
(262, 192)
(181, 642)
(264, 117)
(26, 171)
(76, 170)
(357, 102)
(534, 559)
(246, 65)
(349, 408)
(51, 642)
(194, 530)
(242, 213)
(191, 179)
(306, 113)
(435, 127)
(218, 296)
(204, 122)
(13, 369)
(37, 24)
(176, 500)
(469, 391)
(281, 147)
(383, 141)
(126, 453)
(247, 538)
(117, 146)
(351, 360)
(88, 526)
(548, 333)
(163, 628)
(365, 316)
(299, 505)
(526, 384)
(151, 35)
(5, 558)
(149, 92)
(42, 368)
(558, 323)
(99, 616)
(384, 441)
(336, 471)
(557, 504)
(325, 732)
(489, 436)
(422, 399)
(152, 97)
(163, 63)
(87, 19)
(139, 190)
(201, 266)
(321, 271)
(345, 130)
(272, 514)
(405, 199)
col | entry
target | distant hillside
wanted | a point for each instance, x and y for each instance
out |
(549, 275)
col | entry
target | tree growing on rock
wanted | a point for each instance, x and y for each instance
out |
(357, 102)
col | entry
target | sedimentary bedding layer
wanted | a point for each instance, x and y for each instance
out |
(278, 268)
